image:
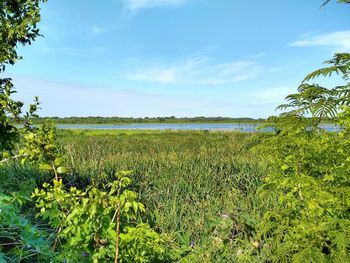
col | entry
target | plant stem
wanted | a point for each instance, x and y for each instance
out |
(117, 240)
(55, 172)
(13, 157)
(10, 244)
(56, 240)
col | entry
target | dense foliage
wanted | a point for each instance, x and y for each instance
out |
(308, 186)
(20, 238)
(198, 185)
(82, 221)
(88, 223)
(18, 20)
(193, 196)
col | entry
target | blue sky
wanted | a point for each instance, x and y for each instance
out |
(140, 58)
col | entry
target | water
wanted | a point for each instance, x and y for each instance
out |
(178, 126)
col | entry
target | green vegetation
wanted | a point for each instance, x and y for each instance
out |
(106, 132)
(173, 174)
(85, 222)
(308, 186)
(121, 120)
(82, 196)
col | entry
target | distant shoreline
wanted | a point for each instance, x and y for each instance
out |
(146, 120)
(96, 121)
(151, 123)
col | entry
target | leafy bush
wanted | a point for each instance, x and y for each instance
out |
(20, 241)
(309, 189)
(143, 244)
(88, 223)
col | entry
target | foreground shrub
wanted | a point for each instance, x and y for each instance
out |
(20, 240)
(89, 223)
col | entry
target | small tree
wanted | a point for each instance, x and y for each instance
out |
(18, 21)
(308, 186)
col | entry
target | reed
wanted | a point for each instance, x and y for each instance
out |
(186, 179)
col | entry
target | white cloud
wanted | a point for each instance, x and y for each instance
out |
(338, 41)
(258, 55)
(199, 70)
(162, 76)
(135, 5)
(97, 29)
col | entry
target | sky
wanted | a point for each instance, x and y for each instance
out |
(183, 58)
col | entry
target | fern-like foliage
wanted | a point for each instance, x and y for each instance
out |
(309, 184)
(319, 101)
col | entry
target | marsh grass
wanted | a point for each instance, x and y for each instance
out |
(187, 179)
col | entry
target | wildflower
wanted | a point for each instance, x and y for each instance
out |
(255, 244)
(85, 254)
(225, 216)
(239, 252)
(193, 243)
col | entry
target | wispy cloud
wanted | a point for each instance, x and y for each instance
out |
(95, 29)
(199, 70)
(258, 55)
(135, 5)
(162, 76)
(338, 41)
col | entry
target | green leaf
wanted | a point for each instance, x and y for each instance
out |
(58, 161)
(284, 167)
(45, 167)
(62, 170)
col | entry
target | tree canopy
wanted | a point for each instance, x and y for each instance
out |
(18, 26)
(18, 20)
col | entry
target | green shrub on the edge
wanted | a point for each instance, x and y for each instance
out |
(95, 225)
(309, 221)
(309, 186)
(20, 241)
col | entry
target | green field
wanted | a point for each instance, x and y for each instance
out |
(204, 192)
(187, 180)
(197, 186)
(276, 194)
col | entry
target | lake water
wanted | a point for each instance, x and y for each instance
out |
(179, 126)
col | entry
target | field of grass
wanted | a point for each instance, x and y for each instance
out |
(87, 132)
(198, 186)
(188, 180)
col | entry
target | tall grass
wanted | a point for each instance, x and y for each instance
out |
(186, 179)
